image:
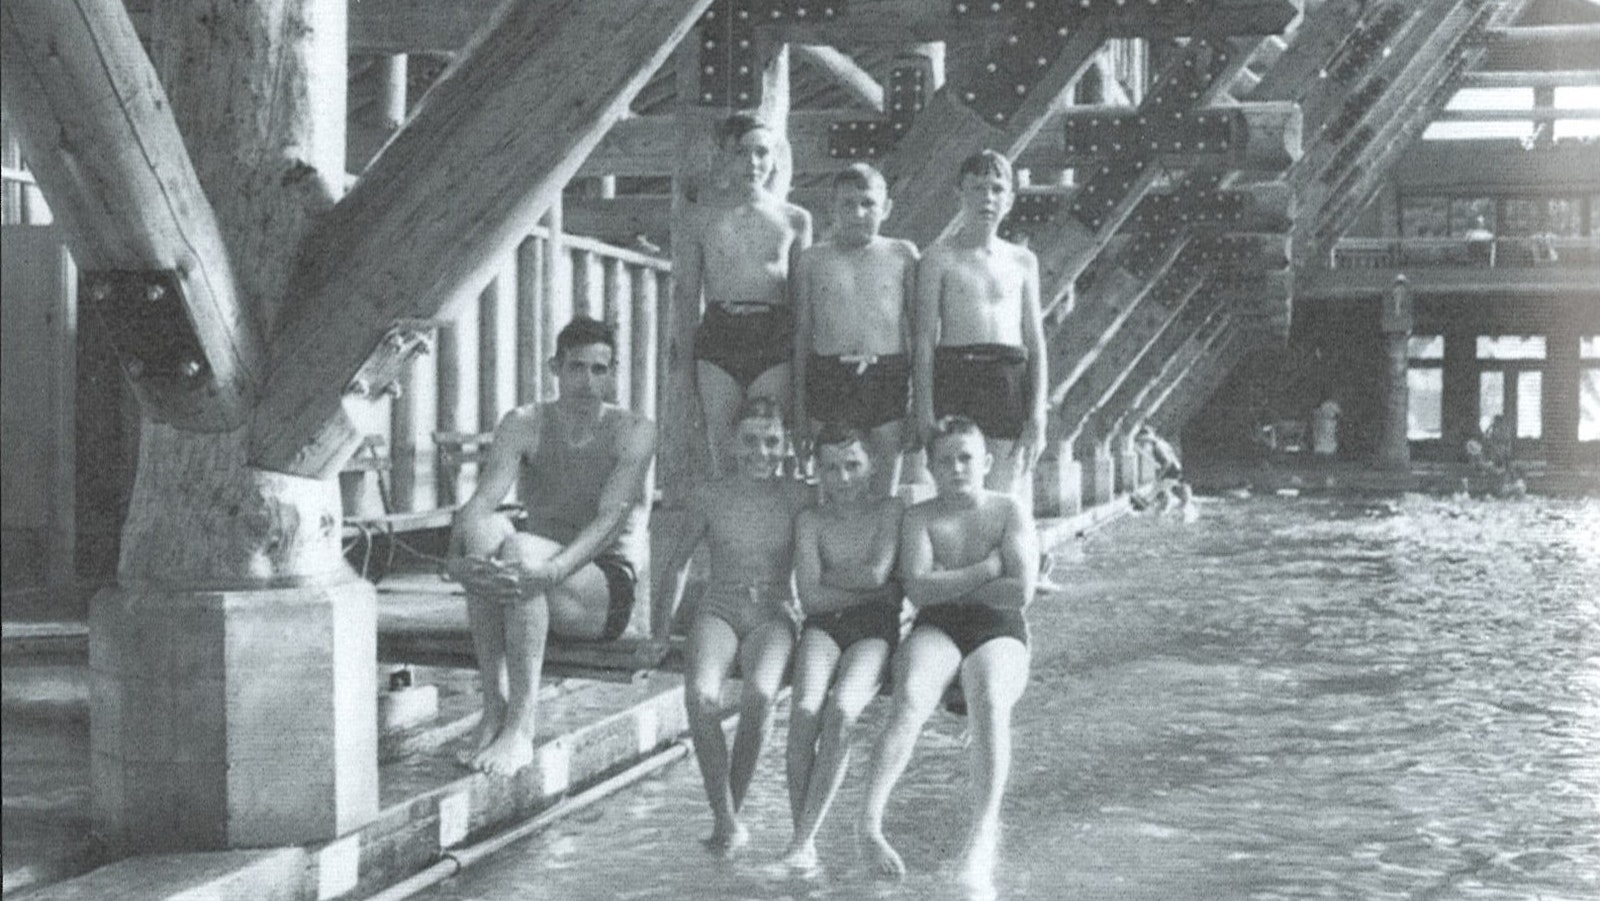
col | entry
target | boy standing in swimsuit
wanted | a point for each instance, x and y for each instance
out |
(747, 611)
(980, 336)
(968, 560)
(738, 255)
(844, 566)
(853, 324)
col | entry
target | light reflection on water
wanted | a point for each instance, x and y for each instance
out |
(1284, 700)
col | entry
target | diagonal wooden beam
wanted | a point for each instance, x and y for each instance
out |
(1172, 409)
(1353, 168)
(845, 72)
(484, 155)
(921, 168)
(100, 138)
(1159, 369)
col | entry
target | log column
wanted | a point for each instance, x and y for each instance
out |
(232, 666)
(1394, 450)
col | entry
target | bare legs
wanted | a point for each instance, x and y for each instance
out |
(721, 397)
(508, 637)
(820, 723)
(925, 664)
(992, 677)
(764, 655)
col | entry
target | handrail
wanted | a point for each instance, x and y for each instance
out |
(1515, 252)
(595, 246)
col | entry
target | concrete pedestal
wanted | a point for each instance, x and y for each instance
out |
(1057, 486)
(1129, 473)
(1099, 482)
(233, 719)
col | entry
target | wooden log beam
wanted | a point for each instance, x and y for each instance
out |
(1542, 47)
(902, 21)
(1130, 405)
(482, 157)
(1496, 167)
(647, 145)
(1086, 395)
(99, 134)
(1180, 398)
(1237, 137)
(445, 26)
(845, 72)
(1515, 78)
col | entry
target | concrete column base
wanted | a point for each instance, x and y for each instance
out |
(1100, 486)
(1130, 475)
(233, 719)
(1057, 488)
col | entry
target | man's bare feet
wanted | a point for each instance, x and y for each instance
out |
(727, 837)
(489, 722)
(801, 856)
(508, 753)
(884, 860)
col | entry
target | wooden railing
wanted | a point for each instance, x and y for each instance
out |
(490, 353)
(1498, 253)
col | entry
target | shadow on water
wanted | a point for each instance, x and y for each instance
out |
(1307, 699)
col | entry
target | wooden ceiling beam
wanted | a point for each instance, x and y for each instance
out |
(1542, 48)
(1156, 371)
(1555, 78)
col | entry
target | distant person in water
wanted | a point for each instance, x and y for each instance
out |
(969, 562)
(569, 568)
(844, 561)
(747, 612)
(1169, 488)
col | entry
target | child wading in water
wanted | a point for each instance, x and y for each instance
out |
(747, 611)
(968, 559)
(844, 562)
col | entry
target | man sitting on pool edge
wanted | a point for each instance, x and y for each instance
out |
(571, 567)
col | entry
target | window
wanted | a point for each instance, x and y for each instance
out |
(1530, 385)
(1510, 347)
(1589, 405)
(1491, 397)
(1424, 411)
(1425, 347)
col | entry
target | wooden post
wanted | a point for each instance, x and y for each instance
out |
(530, 320)
(497, 349)
(643, 342)
(1394, 447)
(619, 312)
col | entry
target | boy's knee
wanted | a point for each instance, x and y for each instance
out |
(702, 698)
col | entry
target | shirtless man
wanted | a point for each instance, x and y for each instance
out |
(738, 254)
(1169, 486)
(570, 567)
(980, 338)
(844, 566)
(853, 325)
(747, 612)
(968, 560)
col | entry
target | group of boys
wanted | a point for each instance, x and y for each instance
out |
(871, 350)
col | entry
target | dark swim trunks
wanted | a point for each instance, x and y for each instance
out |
(986, 383)
(865, 392)
(852, 624)
(621, 579)
(971, 626)
(744, 340)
